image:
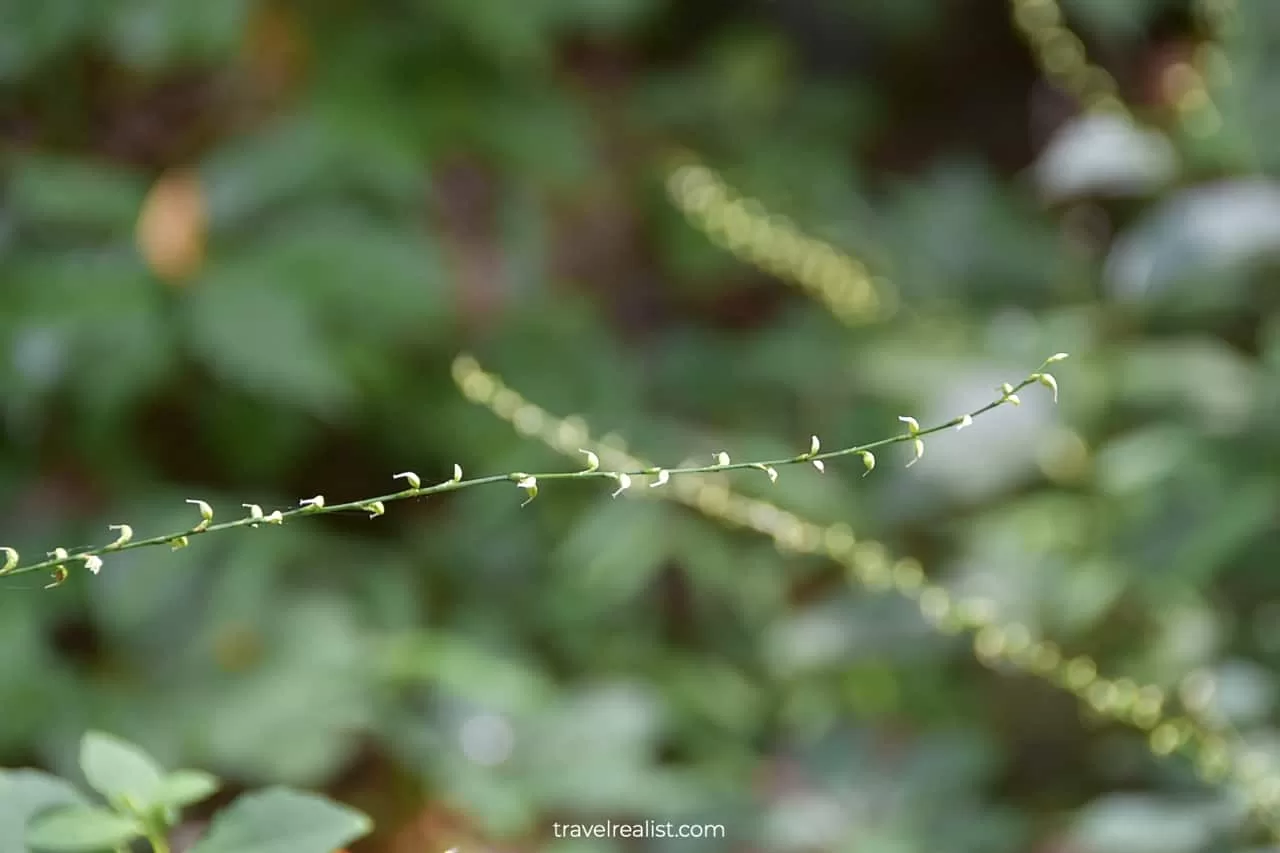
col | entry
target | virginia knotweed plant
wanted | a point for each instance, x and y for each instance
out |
(1061, 56)
(60, 561)
(746, 229)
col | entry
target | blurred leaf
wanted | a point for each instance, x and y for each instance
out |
(614, 551)
(1104, 155)
(35, 32)
(149, 34)
(1126, 17)
(1206, 231)
(295, 712)
(363, 279)
(1246, 512)
(23, 795)
(300, 158)
(120, 771)
(279, 820)
(1134, 823)
(75, 193)
(468, 671)
(186, 787)
(260, 336)
(810, 639)
(611, 730)
(82, 828)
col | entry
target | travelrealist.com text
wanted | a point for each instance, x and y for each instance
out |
(644, 829)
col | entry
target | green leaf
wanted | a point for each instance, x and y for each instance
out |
(120, 771)
(281, 820)
(82, 828)
(75, 193)
(264, 339)
(1201, 234)
(184, 787)
(23, 794)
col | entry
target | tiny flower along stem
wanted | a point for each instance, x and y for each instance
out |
(317, 506)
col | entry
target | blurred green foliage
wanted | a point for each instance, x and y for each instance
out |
(240, 243)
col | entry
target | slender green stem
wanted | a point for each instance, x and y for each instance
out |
(158, 840)
(376, 505)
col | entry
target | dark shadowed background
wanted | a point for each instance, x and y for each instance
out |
(242, 242)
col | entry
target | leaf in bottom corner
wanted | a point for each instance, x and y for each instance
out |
(281, 820)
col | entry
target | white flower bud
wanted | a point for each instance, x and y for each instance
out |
(919, 449)
(722, 459)
(414, 481)
(126, 534)
(624, 483)
(593, 461)
(206, 514)
(375, 508)
(769, 470)
(457, 473)
(663, 476)
(529, 484)
(814, 445)
(1047, 380)
(868, 460)
(913, 425)
(313, 504)
(966, 421)
(11, 558)
(820, 465)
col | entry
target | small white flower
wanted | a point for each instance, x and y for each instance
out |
(93, 563)
(593, 461)
(58, 554)
(457, 473)
(414, 481)
(206, 514)
(722, 459)
(1056, 357)
(965, 421)
(663, 476)
(919, 448)
(1047, 380)
(313, 504)
(818, 463)
(913, 425)
(769, 470)
(11, 558)
(375, 508)
(126, 533)
(529, 484)
(624, 483)
(814, 446)
(274, 518)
